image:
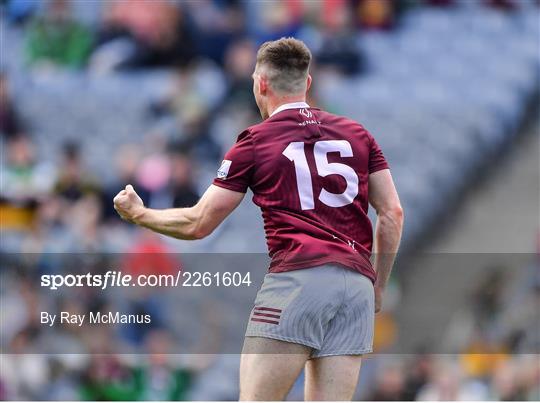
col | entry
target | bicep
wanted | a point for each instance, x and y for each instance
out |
(215, 205)
(382, 191)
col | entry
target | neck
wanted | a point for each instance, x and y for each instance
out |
(276, 103)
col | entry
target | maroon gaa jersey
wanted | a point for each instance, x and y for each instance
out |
(308, 170)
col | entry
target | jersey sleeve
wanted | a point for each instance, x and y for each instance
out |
(236, 169)
(377, 161)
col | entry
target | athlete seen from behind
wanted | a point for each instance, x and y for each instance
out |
(313, 175)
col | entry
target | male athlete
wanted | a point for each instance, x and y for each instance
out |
(312, 174)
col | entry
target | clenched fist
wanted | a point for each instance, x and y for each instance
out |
(128, 204)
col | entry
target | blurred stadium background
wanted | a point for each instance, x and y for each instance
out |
(97, 94)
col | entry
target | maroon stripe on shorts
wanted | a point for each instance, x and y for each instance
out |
(263, 308)
(273, 322)
(268, 315)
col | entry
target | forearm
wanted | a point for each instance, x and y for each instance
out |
(387, 239)
(180, 223)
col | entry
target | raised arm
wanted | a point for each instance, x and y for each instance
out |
(183, 223)
(384, 199)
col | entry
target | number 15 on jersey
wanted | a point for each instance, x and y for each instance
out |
(295, 152)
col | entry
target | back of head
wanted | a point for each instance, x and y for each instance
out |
(285, 62)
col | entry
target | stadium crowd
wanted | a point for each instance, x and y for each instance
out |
(55, 197)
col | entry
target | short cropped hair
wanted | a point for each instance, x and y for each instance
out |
(286, 62)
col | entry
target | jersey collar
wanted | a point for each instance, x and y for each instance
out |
(291, 105)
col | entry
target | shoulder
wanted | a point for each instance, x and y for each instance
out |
(343, 121)
(256, 128)
(254, 132)
(260, 127)
(245, 136)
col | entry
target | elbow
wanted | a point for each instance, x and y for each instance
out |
(191, 234)
(196, 227)
(397, 211)
(398, 216)
(394, 213)
(199, 233)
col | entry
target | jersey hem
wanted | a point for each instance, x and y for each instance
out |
(354, 266)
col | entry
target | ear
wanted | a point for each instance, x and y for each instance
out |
(308, 86)
(263, 85)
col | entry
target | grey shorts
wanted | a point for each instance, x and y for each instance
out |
(328, 308)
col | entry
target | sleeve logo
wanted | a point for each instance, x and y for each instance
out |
(223, 170)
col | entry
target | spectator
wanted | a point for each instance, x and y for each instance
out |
(529, 377)
(73, 183)
(25, 179)
(80, 199)
(418, 376)
(488, 296)
(149, 255)
(108, 378)
(390, 384)
(505, 385)
(270, 20)
(218, 24)
(10, 122)
(57, 39)
(143, 33)
(196, 133)
(446, 383)
(26, 374)
(25, 182)
(153, 176)
(161, 378)
(239, 66)
(375, 15)
(182, 188)
(82, 219)
(195, 92)
(339, 49)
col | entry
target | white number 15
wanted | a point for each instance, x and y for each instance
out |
(295, 152)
